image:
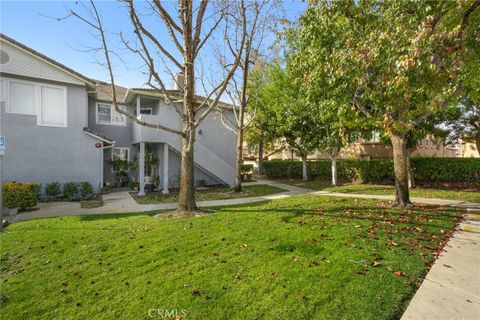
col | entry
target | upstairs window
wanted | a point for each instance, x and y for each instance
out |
(146, 110)
(106, 114)
(22, 98)
(53, 107)
(45, 101)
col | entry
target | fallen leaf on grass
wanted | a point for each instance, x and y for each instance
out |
(399, 273)
(376, 263)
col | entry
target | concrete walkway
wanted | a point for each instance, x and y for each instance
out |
(451, 290)
(122, 202)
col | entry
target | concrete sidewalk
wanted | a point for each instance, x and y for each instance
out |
(451, 290)
(122, 202)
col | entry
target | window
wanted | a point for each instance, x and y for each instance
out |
(106, 114)
(22, 98)
(53, 106)
(120, 154)
(145, 110)
(47, 102)
(374, 138)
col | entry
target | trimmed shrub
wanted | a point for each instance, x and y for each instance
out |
(246, 172)
(463, 170)
(86, 190)
(431, 170)
(247, 168)
(20, 194)
(53, 190)
(70, 190)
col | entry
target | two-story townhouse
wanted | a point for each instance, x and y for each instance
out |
(61, 126)
(44, 108)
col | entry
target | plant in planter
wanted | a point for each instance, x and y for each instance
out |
(151, 168)
(156, 182)
(107, 187)
(133, 185)
(120, 168)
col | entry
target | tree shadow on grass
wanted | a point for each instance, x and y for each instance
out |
(109, 216)
(416, 217)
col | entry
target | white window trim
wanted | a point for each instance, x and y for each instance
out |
(8, 106)
(37, 101)
(121, 148)
(112, 109)
(39, 106)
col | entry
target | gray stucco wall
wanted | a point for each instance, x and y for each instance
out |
(45, 154)
(122, 135)
(174, 162)
(214, 147)
(215, 136)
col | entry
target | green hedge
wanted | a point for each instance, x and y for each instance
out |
(20, 194)
(462, 170)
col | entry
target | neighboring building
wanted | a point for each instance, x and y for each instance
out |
(61, 126)
(373, 148)
(467, 149)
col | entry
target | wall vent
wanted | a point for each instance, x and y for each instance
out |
(4, 57)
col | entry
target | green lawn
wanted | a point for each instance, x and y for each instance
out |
(296, 258)
(464, 195)
(214, 194)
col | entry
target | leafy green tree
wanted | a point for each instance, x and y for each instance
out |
(395, 63)
(465, 122)
(262, 129)
(297, 120)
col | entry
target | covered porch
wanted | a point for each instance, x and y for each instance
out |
(154, 167)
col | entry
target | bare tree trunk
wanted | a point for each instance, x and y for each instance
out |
(186, 197)
(239, 160)
(260, 157)
(411, 181)
(304, 167)
(241, 119)
(334, 171)
(402, 198)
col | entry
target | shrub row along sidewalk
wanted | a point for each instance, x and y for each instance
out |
(431, 170)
